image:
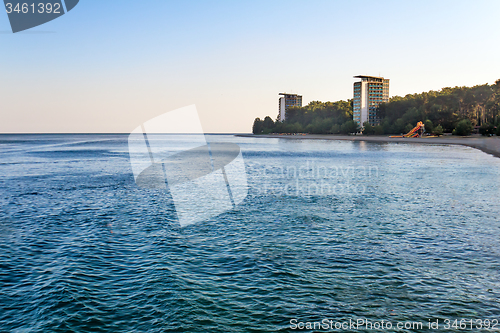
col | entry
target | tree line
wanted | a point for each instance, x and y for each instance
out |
(451, 110)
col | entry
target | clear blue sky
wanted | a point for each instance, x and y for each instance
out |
(108, 66)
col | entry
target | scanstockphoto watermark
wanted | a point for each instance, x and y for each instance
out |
(26, 14)
(312, 178)
(356, 324)
(364, 324)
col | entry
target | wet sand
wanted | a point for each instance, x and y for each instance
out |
(489, 145)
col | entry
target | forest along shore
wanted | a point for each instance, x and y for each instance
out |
(489, 145)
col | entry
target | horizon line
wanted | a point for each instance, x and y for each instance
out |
(115, 133)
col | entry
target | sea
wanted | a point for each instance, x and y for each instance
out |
(328, 235)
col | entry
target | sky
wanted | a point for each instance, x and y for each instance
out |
(109, 66)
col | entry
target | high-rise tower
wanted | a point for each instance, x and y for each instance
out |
(368, 94)
(286, 102)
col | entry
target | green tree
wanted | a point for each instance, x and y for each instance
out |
(398, 126)
(349, 127)
(429, 127)
(335, 129)
(438, 130)
(257, 126)
(367, 128)
(279, 127)
(378, 130)
(387, 126)
(464, 127)
(268, 123)
(487, 129)
(298, 128)
(293, 128)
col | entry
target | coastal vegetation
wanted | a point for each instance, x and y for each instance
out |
(451, 110)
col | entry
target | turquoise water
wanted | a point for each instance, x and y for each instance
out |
(329, 229)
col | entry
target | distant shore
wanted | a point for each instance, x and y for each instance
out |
(489, 145)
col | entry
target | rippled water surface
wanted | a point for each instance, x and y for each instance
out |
(329, 229)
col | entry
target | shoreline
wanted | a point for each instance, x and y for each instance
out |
(488, 145)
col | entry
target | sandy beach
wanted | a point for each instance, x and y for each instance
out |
(489, 145)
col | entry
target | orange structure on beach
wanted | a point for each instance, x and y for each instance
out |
(416, 132)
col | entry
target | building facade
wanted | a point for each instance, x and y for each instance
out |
(368, 94)
(286, 102)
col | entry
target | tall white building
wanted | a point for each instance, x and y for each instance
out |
(286, 102)
(368, 94)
